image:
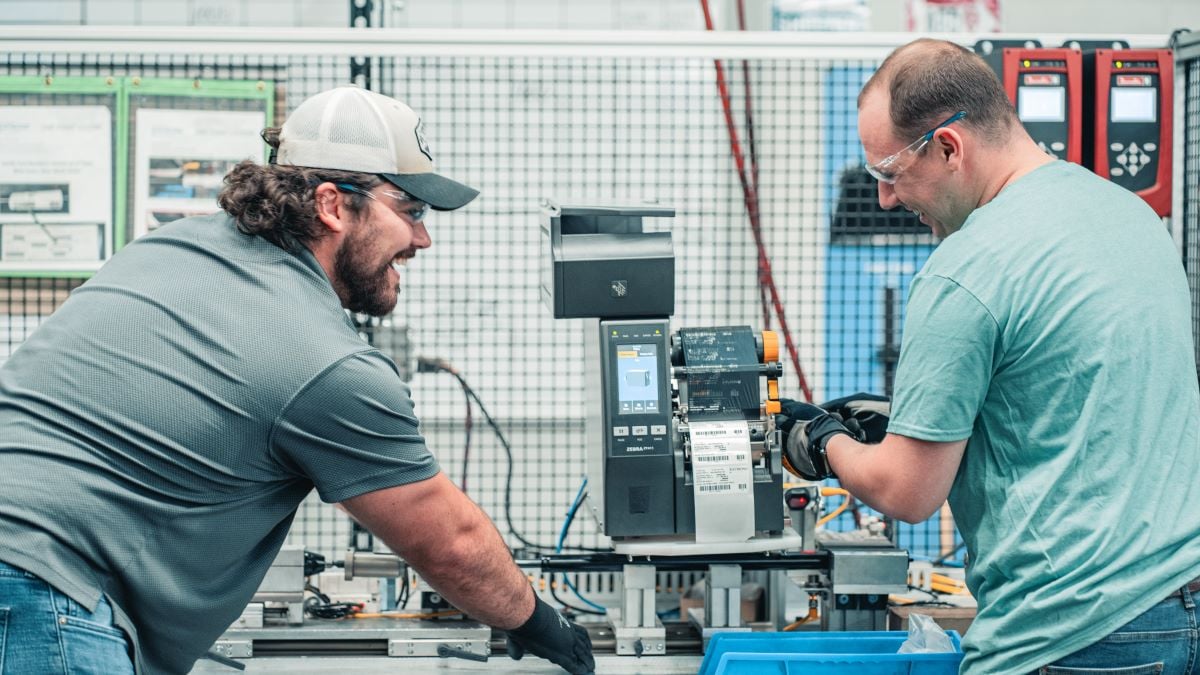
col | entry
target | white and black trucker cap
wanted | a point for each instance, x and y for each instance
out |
(352, 129)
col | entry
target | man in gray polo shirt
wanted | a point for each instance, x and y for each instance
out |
(158, 431)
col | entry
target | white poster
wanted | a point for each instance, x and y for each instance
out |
(820, 15)
(953, 16)
(56, 191)
(181, 158)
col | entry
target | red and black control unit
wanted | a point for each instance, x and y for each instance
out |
(1045, 84)
(1130, 137)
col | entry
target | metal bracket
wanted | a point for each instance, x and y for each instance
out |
(234, 649)
(429, 647)
(637, 629)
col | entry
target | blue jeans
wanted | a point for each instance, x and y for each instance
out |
(44, 631)
(1163, 640)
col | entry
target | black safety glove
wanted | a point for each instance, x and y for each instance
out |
(806, 429)
(869, 412)
(549, 635)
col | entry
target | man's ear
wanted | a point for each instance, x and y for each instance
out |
(949, 145)
(331, 210)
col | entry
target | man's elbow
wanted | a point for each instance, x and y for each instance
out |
(448, 530)
(907, 502)
(443, 550)
(914, 510)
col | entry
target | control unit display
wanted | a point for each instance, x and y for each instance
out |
(1042, 104)
(1134, 104)
(637, 379)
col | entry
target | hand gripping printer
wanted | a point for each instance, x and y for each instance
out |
(683, 457)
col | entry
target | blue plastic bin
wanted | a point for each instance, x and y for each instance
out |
(830, 653)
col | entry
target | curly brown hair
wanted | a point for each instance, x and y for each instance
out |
(278, 203)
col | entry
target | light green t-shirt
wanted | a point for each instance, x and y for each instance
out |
(1054, 332)
(158, 431)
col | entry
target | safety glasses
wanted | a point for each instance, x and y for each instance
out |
(404, 204)
(888, 169)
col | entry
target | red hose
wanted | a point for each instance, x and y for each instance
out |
(750, 193)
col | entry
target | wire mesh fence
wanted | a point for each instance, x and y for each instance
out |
(525, 127)
(1189, 70)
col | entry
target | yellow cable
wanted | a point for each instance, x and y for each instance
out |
(829, 492)
(944, 584)
(405, 615)
(812, 615)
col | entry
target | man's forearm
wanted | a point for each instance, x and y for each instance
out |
(452, 544)
(475, 573)
(901, 477)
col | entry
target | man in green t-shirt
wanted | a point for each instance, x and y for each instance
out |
(159, 430)
(1046, 388)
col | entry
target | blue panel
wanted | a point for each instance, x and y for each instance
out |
(842, 148)
(859, 280)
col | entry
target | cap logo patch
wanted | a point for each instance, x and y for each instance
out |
(419, 132)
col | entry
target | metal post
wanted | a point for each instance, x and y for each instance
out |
(723, 596)
(638, 630)
(360, 67)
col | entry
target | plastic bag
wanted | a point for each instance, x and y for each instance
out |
(925, 637)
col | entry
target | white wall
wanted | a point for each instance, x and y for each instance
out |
(1034, 16)
(564, 14)
(1068, 16)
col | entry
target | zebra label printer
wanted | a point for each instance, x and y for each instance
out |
(680, 425)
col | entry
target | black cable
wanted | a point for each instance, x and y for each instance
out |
(953, 552)
(467, 424)
(564, 603)
(937, 599)
(1175, 35)
(507, 452)
(508, 481)
(332, 610)
(316, 591)
(403, 593)
(320, 606)
(438, 364)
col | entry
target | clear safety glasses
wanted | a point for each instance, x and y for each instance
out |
(888, 169)
(405, 205)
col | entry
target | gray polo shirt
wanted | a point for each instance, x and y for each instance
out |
(159, 430)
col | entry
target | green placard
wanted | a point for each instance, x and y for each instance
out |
(184, 136)
(61, 174)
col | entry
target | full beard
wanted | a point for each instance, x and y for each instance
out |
(365, 285)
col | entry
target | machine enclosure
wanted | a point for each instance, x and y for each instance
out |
(638, 480)
(1130, 108)
(1053, 76)
(600, 263)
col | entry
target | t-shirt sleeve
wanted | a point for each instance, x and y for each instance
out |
(950, 345)
(352, 430)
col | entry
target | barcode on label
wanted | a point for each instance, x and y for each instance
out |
(717, 432)
(721, 458)
(716, 488)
